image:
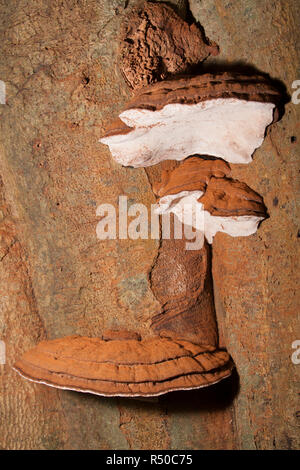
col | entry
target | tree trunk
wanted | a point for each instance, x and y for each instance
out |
(63, 86)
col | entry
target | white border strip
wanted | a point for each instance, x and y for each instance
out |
(122, 394)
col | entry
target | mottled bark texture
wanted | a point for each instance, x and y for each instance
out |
(59, 63)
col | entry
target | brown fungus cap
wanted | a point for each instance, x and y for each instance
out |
(192, 174)
(120, 335)
(192, 90)
(217, 202)
(181, 281)
(222, 196)
(156, 43)
(117, 127)
(149, 367)
(223, 115)
(227, 197)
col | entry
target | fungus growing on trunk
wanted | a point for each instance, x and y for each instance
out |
(216, 202)
(124, 367)
(223, 115)
(193, 174)
(156, 43)
(183, 354)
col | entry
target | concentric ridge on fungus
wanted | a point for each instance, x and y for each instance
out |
(208, 86)
(124, 368)
(220, 115)
(223, 115)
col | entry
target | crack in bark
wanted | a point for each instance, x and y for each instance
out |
(8, 250)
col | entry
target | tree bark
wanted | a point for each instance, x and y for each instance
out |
(63, 86)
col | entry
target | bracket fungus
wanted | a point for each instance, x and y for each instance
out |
(149, 367)
(223, 115)
(220, 117)
(156, 43)
(182, 351)
(211, 202)
(181, 354)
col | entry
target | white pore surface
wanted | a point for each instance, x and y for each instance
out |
(191, 212)
(228, 128)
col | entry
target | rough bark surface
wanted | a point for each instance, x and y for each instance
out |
(63, 87)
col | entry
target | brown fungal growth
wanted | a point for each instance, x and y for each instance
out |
(183, 354)
(155, 43)
(193, 173)
(181, 281)
(124, 368)
(218, 203)
(120, 335)
(226, 197)
(223, 115)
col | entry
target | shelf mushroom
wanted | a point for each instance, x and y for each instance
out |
(223, 115)
(181, 352)
(128, 367)
(217, 203)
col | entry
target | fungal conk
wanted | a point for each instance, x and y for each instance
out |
(220, 115)
(123, 367)
(212, 202)
(223, 115)
(181, 352)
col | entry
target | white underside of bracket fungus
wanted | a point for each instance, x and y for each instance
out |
(227, 128)
(189, 211)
